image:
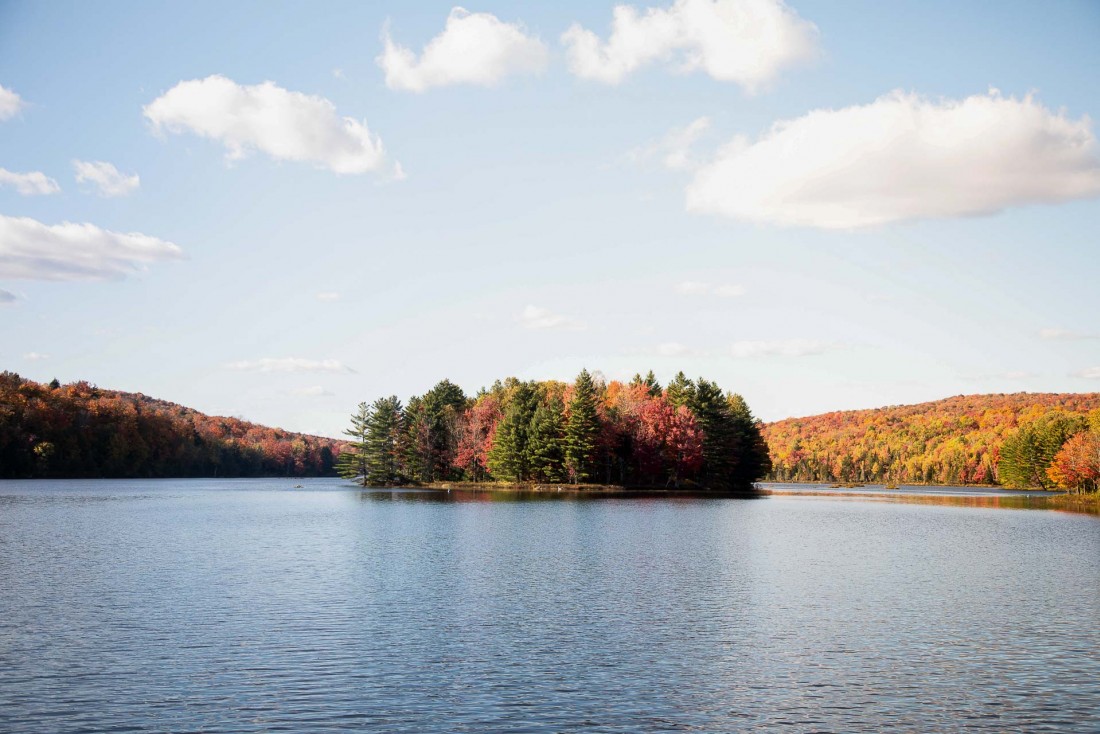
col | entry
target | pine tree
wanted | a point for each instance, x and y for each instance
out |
(754, 459)
(351, 464)
(1027, 453)
(721, 452)
(582, 429)
(546, 441)
(508, 458)
(680, 390)
(384, 442)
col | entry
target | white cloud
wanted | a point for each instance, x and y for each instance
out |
(328, 297)
(288, 126)
(674, 149)
(899, 158)
(1056, 334)
(743, 41)
(474, 48)
(314, 391)
(781, 348)
(10, 103)
(35, 356)
(289, 364)
(31, 183)
(32, 250)
(534, 317)
(696, 288)
(106, 177)
(1089, 373)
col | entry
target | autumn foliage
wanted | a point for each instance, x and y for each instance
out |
(79, 430)
(955, 441)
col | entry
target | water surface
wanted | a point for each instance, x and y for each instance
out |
(246, 605)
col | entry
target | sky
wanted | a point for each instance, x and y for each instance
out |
(276, 210)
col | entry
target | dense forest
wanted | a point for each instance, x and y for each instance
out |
(79, 430)
(1014, 440)
(688, 434)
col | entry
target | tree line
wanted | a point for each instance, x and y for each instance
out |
(79, 430)
(689, 433)
(955, 441)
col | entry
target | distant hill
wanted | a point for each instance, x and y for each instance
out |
(951, 441)
(79, 430)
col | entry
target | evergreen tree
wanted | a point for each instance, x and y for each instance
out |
(1026, 454)
(352, 464)
(546, 441)
(384, 442)
(508, 457)
(754, 459)
(582, 429)
(680, 390)
(721, 452)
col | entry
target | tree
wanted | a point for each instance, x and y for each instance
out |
(1026, 454)
(508, 458)
(680, 390)
(385, 427)
(721, 449)
(546, 441)
(352, 462)
(475, 434)
(432, 426)
(754, 460)
(1076, 466)
(582, 429)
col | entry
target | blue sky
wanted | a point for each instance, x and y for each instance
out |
(546, 215)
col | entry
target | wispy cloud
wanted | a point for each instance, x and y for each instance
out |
(35, 356)
(328, 296)
(7, 297)
(696, 288)
(289, 364)
(473, 48)
(782, 348)
(534, 317)
(31, 250)
(313, 391)
(10, 103)
(1089, 373)
(674, 149)
(1056, 334)
(31, 183)
(901, 157)
(288, 126)
(106, 178)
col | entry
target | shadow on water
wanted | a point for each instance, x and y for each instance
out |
(443, 496)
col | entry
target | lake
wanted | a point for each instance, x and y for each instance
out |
(248, 606)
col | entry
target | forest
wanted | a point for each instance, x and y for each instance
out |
(1030, 440)
(79, 430)
(688, 434)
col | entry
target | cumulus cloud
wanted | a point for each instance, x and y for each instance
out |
(288, 126)
(289, 364)
(314, 391)
(696, 288)
(32, 183)
(674, 149)
(902, 157)
(781, 348)
(7, 297)
(474, 48)
(1089, 373)
(743, 41)
(534, 317)
(32, 250)
(10, 103)
(106, 178)
(328, 296)
(1056, 334)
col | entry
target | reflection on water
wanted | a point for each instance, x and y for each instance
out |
(240, 606)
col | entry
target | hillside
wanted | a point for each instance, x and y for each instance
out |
(79, 430)
(952, 441)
